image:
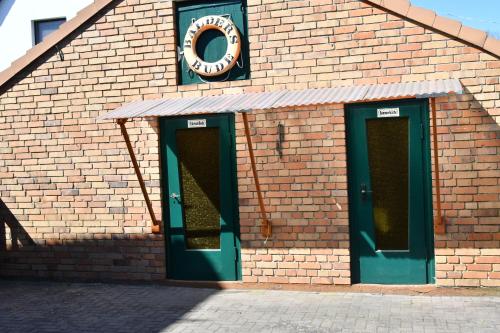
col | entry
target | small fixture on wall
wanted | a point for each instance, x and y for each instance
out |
(60, 52)
(281, 139)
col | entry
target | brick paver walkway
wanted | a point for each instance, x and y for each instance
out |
(77, 307)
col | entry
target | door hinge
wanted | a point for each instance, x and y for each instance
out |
(235, 254)
(422, 131)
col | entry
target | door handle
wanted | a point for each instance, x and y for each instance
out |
(364, 190)
(175, 196)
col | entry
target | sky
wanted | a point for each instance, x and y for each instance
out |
(479, 14)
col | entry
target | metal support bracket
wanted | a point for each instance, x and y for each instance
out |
(265, 226)
(155, 228)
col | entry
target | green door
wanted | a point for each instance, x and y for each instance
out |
(389, 192)
(199, 192)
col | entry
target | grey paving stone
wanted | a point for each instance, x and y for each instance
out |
(78, 307)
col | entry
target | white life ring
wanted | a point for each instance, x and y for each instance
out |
(224, 25)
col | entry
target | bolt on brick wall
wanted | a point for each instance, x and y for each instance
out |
(66, 179)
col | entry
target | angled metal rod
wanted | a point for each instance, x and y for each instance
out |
(439, 226)
(265, 227)
(156, 226)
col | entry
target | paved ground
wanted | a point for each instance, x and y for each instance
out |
(77, 307)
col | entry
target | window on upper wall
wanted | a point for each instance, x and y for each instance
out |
(212, 40)
(43, 28)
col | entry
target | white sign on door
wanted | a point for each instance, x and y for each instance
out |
(388, 112)
(194, 123)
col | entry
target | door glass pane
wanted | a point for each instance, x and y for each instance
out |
(388, 160)
(198, 156)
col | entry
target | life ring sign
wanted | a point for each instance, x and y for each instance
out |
(196, 29)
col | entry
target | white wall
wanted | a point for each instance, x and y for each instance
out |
(16, 17)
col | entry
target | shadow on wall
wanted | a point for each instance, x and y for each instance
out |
(87, 260)
(116, 257)
(468, 156)
(18, 235)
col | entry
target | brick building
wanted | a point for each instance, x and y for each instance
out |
(339, 98)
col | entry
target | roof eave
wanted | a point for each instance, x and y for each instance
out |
(53, 39)
(446, 26)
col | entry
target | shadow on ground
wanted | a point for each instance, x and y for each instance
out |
(88, 307)
(93, 307)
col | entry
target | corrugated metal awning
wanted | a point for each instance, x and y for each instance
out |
(284, 98)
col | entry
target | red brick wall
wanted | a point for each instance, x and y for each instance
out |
(306, 196)
(66, 178)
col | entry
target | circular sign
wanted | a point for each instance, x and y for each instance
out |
(225, 63)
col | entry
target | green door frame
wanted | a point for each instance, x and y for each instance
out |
(232, 179)
(427, 182)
